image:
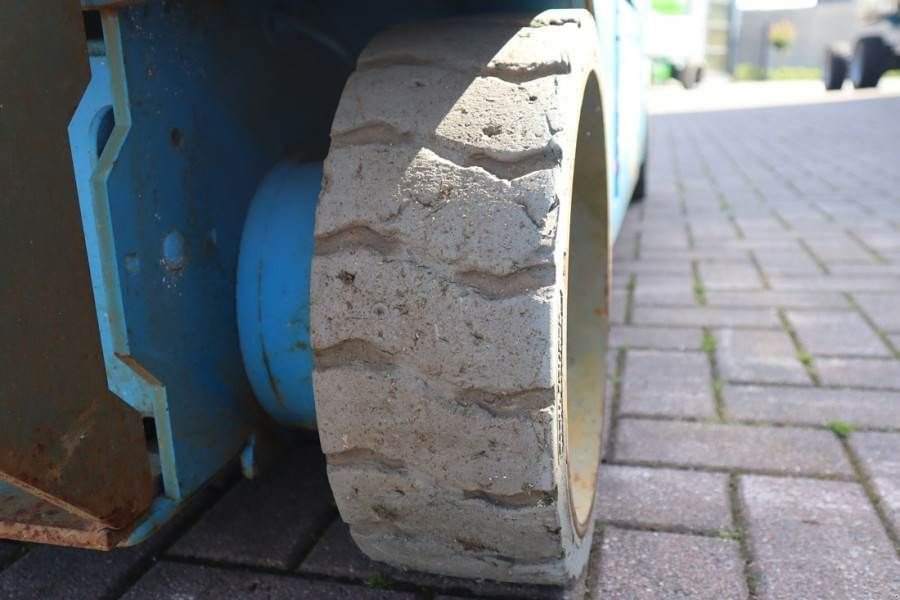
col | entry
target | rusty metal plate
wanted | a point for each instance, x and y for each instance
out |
(65, 440)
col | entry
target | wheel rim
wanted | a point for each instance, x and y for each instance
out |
(587, 315)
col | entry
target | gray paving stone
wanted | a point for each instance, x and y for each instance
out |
(618, 300)
(879, 454)
(265, 522)
(773, 299)
(8, 550)
(652, 267)
(169, 580)
(839, 250)
(781, 262)
(836, 333)
(730, 276)
(55, 572)
(830, 283)
(705, 316)
(665, 290)
(857, 271)
(859, 372)
(883, 309)
(336, 555)
(664, 497)
(739, 447)
(667, 383)
(636, 565)
(758, 356)
(812, 405)
(663, 238)
(894, 340)
(656, 338)
(817, 539)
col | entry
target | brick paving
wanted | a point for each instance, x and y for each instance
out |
(755, 447)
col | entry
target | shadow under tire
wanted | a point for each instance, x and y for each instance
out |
(459, 377)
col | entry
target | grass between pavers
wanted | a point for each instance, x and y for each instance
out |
(378, 582)
(803, 356)
(629, 299)
(759, 270)
(741, 527)
(709, 348)
(842, 429)
(699, 290)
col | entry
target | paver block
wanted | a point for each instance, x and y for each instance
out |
(657, 338)
(836, 333)
(265, 521)
(618, 299)
(883, 309)
(834, 283)
(773, 299)
(839, 250)
(8, 551)
(740, 447)
(635, 565)
(336, 555)
(817, 539)
(665, 290)
(168, 580)
(879, 454)
(859, 372)
(812, 405)
(758, 356)
(655, 267)
(729, 276)
(664, 238)
(667, 383)
(780, 262)
(664, 497)
(705, 316)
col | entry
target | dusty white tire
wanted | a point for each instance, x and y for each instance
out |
(459, 297)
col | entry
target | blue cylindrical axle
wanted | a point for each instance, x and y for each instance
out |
(273, 291)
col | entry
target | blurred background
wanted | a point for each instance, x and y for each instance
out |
(694, 41)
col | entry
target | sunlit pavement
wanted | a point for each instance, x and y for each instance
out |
(720, 94)
(756, 440)
(755, 387)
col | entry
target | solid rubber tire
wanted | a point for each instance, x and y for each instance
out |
(459, 385)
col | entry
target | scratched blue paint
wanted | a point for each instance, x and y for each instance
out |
(273, 291)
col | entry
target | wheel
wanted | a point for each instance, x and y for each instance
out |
(459, 378)
(688, 76)
(868, 63)
(835, 69)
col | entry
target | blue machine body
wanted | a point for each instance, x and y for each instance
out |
(191, 112)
